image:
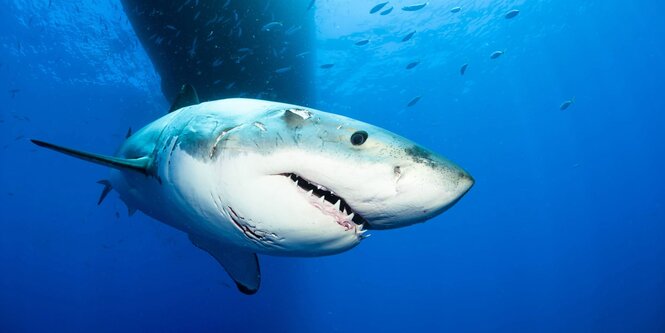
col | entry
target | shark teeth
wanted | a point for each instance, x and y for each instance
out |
(320, 195)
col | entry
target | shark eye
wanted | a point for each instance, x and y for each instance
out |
(358, 138)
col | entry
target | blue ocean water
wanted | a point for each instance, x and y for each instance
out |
(564, 230)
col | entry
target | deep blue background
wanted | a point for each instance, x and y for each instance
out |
(564, 230)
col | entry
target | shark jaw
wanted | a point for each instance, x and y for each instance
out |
(329, 203)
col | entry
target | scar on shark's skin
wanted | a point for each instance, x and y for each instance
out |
(245, 227)
(260, 126)
(278, 139)
(398, 173)
(296, 117)
(171, 146)
(219, 138)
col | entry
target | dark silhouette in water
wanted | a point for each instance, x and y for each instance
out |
(219, 46)
(462, 69)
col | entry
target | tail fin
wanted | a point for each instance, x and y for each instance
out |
(137, 164)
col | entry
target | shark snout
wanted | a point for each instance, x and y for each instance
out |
(442, 186)
(425, 187)
(464, 183)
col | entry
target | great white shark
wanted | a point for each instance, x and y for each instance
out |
(244, 177)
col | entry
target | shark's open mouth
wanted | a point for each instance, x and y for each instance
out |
(329, 202)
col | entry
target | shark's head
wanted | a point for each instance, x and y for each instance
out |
(314, 181)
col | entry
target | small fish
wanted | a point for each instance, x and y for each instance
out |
(240, 58)
(413, 64)
(512, 13)
(212, 20)
(496, 54)
(455, 9)
(387, 11)
(292, 30)
(327, 66)
(566, 104)
(192, 50)
(14, 91)
(230, 85)
(462, 70)
(218, 62)
(362, 42)
(302, 54)
(244, 49)
(20, 117)
(272, 25)
(283, 70)
(408, 36)
(378, 7)
(413, 101)
(311, 4)
(413, 8)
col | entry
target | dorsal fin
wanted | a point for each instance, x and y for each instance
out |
(186, 97)
(137, 164)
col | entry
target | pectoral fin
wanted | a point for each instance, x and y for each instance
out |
(242, 266)
(137, 164)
